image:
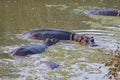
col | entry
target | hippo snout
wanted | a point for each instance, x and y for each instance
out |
(84, 40)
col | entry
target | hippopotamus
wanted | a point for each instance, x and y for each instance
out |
(42, 34)
(103, 12)
(33, 48)
(51, 65)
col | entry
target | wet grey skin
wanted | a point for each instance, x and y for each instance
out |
(103, 12)
(51, 65)
(42, 34)
(33, 48)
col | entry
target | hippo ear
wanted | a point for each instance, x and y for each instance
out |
(92, 37)
(80, 39)
(52, 41)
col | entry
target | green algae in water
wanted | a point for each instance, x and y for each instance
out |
(67, 58)
(73, 56)
(4, 55)
(7, 70)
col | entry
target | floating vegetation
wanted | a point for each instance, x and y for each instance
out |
(114, 65)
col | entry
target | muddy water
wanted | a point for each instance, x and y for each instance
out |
(76, 62)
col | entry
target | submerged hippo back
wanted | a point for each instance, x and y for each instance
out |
(28, 49)
(33, 48)
(102, 11)
(51, 65)
(42, 34)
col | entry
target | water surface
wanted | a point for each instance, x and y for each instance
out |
(77, 62)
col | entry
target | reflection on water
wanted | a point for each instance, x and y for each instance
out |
(18, 16)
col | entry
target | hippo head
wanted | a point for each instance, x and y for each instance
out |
(84, 40)
(50, 42)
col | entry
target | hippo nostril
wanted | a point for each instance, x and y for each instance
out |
(92, 40)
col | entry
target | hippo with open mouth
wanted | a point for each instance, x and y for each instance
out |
(42, 34)
(33, 48)
(103, 12)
